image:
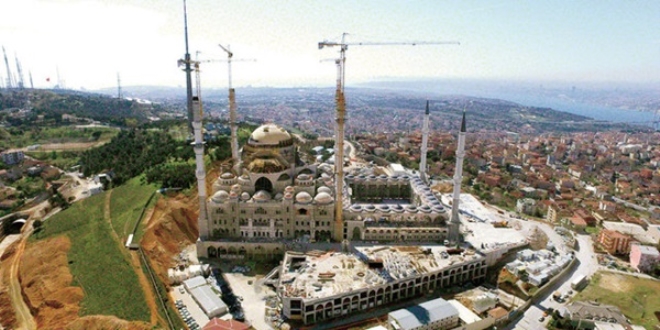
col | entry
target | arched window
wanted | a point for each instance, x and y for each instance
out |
(263, 184)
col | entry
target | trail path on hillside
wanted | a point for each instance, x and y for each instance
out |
(133, 259)
(23, 315)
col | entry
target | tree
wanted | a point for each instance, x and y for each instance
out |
(37, 224)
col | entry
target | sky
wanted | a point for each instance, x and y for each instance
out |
(90, 41)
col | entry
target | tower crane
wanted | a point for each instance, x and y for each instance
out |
(341, 115)
(232, 100)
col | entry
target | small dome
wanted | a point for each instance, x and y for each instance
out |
(220, 196)
(261, 196)
(288, 195)
(369, 207)
(245, 196)
(356, 207)
(227, 175)
(303, 197)
(304, 177)
(384, 208)
(244, 180)
(324, 190)
(288, 189)
(323, 198)
(439, 209)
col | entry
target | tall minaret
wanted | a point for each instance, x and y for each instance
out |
(425, 142)
(200, 172)
(454, 235)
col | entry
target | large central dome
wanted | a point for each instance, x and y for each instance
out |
(269, 134)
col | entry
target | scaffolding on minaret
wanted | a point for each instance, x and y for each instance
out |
(425, 141)
(455, 222)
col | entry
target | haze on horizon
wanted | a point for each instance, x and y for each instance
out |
(555, 41)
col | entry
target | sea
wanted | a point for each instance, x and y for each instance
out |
(597, 112)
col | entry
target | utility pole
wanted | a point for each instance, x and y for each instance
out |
(9, 83)
(118, 87)
(341, 117)
(19, 81)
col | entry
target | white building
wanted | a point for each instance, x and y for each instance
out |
(431, 315)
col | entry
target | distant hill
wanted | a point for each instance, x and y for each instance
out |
(54, 103)
(286, 106)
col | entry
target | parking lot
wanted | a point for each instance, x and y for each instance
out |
(191, 306)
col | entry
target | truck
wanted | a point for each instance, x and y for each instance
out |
(579, 282)
(557, 296)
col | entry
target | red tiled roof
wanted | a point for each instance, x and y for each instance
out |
(218, 324)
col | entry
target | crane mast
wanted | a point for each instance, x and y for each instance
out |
(231, 103)
(339, 232)
(232, 111)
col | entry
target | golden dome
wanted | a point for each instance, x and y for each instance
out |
(269, 134)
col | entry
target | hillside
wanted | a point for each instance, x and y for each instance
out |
(91, 262)
(52, 104)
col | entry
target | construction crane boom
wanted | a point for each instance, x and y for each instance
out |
(339, 233)
(323, 44)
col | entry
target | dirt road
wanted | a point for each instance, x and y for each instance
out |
(23, 315)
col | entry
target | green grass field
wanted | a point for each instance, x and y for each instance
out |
(638, 298)
(97, 263)
(124, 208)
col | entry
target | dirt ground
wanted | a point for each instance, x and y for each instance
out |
(614, 282)
(7, 313)
(105, 322)
(68, 146)
(46, 287)
(171, 227)
(46, 280)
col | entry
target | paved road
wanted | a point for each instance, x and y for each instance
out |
(588, 266)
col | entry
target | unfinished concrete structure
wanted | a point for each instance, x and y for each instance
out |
(325, 285)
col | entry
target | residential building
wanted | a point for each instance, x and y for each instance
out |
(435, 314)
(614, 242)
(644, 258)
(526, 205)
(12, 157)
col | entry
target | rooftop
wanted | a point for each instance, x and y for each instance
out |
(425, 313)
(320, 274)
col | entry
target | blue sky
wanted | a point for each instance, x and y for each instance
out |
(574, 42)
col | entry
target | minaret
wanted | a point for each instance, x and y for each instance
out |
(425, 142)
(200, 172)
(236, 158)
(454, 235)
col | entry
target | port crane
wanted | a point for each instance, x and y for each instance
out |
(341, 113)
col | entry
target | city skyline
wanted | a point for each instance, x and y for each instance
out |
(571, 42)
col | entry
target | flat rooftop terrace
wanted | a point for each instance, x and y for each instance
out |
(318, 274)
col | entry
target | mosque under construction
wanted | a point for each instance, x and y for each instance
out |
(271, 197)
